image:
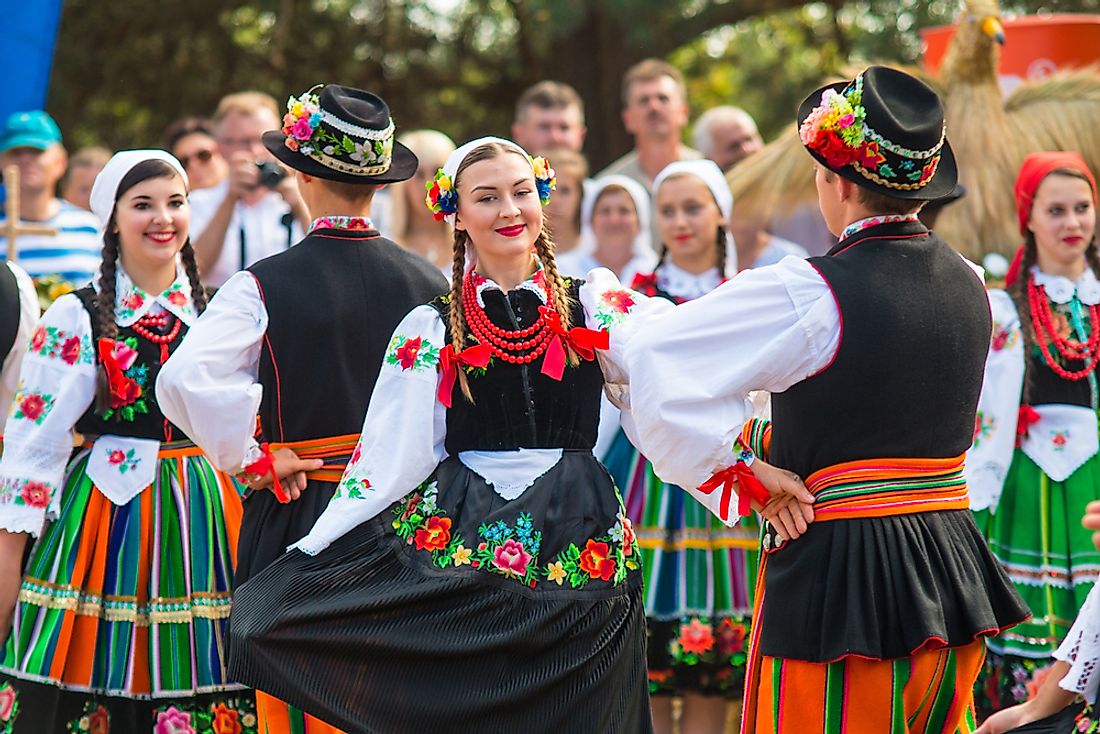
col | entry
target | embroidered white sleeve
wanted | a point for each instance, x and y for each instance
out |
(28, 319)
(209, 387)
(1081, 649)
(611, 306)
(403, 432)
(692, 368)
(56, 385)
(995, 425)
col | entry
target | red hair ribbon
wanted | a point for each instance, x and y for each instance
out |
(475, 356)
(584, 342)
(1024, 419)
(266, 465)
(750, 489)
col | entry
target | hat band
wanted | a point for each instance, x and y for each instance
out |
(926, 176)
(354, 169)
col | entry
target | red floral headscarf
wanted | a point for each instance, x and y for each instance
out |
(1035, 168)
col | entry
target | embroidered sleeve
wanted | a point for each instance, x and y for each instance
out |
(28, 321)
(209, 387)
(612, 307)
(403, 432)
(56, 385)
(693, 367)
(1081, 649)
(995, 423)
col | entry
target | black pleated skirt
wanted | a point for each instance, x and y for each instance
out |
(268, 528)
(884, 587)
(459, 611)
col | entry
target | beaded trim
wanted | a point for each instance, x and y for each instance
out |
(905, 152)
(125, 608)
(342, 167)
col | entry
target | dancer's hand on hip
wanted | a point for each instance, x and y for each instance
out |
(291, 471)
(791, 507)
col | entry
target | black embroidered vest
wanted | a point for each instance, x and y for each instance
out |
(908, 372)
(135, 415)
(333, 301)
(516, 406)
(1043, 386)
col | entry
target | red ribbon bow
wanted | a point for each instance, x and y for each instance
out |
(750, 489)
(475, 356)
(584, 342)
(266, 465)
(1024, 419)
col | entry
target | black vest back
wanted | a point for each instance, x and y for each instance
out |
(141, 418)
(9, 310)
(516, 406)
(905, 381)
(333, 301)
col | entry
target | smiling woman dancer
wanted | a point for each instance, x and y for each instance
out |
(121, 617)
(496, 589)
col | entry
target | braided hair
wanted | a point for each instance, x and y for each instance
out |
(105, 300)
(544, 250)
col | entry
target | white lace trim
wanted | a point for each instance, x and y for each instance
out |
(510, 473)
(678, 282)
(1081, 649)
(1060, 289)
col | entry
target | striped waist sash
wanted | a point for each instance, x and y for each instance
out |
(879, 487)
(335, 451)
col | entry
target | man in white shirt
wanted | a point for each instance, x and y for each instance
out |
(248, 216)
(655, 112)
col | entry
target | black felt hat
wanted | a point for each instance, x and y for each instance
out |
(341, 134)
(885, 131)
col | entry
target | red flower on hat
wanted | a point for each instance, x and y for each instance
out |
(833, 149)
(870, 156)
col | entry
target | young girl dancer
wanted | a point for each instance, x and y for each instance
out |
(497, 588)
(1040, 394)
(697, 571)
(121, 618)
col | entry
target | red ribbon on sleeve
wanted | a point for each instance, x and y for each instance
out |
(750, 489)
(1024, 419)
(475, 356)
(266, 465)
(583, 341)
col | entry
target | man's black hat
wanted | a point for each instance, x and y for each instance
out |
(885, 131)
(341, 134)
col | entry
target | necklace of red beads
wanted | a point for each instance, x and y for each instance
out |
(148, 325)
(518, 346)
(1046, 334)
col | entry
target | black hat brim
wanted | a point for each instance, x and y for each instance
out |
(403, 163)
(941, 184)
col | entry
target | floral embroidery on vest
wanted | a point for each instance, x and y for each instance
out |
(94, 720)
(127, 379)
(412, 354)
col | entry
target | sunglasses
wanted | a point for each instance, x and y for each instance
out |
(203, 156)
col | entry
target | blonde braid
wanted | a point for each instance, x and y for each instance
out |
(559, 293)
(457, 315)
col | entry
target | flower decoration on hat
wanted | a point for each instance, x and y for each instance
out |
(837, 130)
(545, 178)
(442, 198)
(303, 116)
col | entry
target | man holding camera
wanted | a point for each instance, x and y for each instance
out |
(257, 211)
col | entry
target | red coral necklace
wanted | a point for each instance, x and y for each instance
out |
(1046, 333)
(515, 346)
(144, 327)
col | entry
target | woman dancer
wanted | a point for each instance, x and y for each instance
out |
(1041, 393)
(499, 585)
(121, 617)
(698, 572)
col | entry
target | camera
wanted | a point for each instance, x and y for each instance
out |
(271, 174)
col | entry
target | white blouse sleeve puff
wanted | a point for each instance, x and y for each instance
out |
(691, 368)
(209, 386)
(28, 319)
(56, 386)
(403, 433)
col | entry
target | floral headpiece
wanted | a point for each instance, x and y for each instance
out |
(442, 198)
(838, 131)
(337, 144)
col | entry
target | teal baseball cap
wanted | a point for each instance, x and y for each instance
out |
(33, 129)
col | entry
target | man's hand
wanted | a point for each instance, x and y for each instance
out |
(291, 472)
(791, 507)
(244, 177)
(1091, 520)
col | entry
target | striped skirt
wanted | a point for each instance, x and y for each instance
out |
(123, 610)
(699, 575)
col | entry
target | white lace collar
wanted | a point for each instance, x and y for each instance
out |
(678, 282)
(131, 302)
(536, 283)
(1061, 289)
